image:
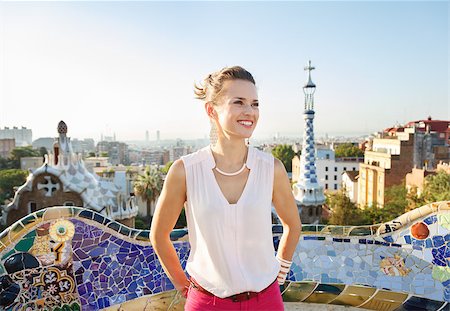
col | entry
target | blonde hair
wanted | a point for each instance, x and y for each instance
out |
(212, 85)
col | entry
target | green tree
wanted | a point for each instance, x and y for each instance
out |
(103, 154)
(6, 164)
(9, 179)
(348, 150)
(21, 152)
(149, 186)
(166, 168)
(437, 187)
(395, 204)
(343, 211)
(285, 154)
(142, 222)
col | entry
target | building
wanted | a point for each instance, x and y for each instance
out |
(308, 192)
(350, 185)
(93, 163)
(415, 180)
(64, 180)
(329, 169)
(386, 163)
(431, 141)
(6, 146)
(83, 146)
(23, 136)
(177, 152)
(116, 151)
(125, 177)
(393, 153)
(441, 127)
(31, 163)
(151, 157)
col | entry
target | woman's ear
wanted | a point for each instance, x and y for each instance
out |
(210, 111)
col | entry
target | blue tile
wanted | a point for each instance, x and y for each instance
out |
(86, 263)
(348, 262)
(416, 242)
(100, 303)
(81, 290)
(407, 239)
(331, 253)
(444, 251)
(309, 237)
(324, 278)
(430, 220)
(428, 243)
(388, 239)
(439, 262)
(438, 241)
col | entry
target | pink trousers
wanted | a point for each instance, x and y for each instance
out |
(269, 300)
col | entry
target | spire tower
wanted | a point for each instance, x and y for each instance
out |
(307, 191)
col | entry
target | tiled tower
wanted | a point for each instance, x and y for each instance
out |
(307, 191)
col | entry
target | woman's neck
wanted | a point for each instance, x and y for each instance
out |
(230, 154)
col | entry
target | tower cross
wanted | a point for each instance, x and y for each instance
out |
(309, 67)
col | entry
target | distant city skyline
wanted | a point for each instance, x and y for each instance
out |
(129, 67)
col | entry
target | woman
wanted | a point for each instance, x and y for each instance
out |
(229, 189)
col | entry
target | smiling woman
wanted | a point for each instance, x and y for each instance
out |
(228, 189)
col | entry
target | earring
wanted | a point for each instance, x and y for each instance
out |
(213, 134)
(247, 141)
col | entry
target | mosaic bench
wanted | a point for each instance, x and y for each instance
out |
(69, 258)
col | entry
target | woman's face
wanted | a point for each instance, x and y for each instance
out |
(236, 109)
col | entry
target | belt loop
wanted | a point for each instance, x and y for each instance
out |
(214, 300)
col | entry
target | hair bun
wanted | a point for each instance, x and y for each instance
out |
(213, 83)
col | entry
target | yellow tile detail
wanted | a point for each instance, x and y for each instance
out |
(354, 295)
(298, 291)
(385, 301)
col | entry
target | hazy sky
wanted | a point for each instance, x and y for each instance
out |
(128, 67)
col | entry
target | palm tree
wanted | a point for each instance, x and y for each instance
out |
(148, 186)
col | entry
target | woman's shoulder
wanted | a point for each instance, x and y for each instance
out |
(195, 157)
(262, 156)
(177, 169)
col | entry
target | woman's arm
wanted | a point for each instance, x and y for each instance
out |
(286, 208)
(168, 209)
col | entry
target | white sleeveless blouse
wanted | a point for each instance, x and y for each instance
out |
(231, 244)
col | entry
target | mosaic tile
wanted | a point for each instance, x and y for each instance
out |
(110, 269)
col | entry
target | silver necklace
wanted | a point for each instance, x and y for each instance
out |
(231, 174)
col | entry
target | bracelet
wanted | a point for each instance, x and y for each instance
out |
(285, 266)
